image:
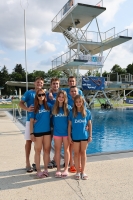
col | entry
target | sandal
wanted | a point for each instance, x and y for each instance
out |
(77, 176)
(40, 175)
(64, 174)
(34, 167)
(84, 176)
(72, 169)
(45, 172)
(58, 175)
(29, 170)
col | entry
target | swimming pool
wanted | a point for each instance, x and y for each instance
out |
(112, 131)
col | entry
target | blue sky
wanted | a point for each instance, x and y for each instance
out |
(43, 45)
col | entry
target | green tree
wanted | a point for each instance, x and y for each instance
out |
(54, 73)
(105, 74)
(117, 69)
(129, 68)
(18, 73)
(4, 77)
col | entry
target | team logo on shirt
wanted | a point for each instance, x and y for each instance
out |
(41, 111)
(60, 115)
(79, 121)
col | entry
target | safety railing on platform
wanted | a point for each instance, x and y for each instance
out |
(65, 10)
(64, 58)
(62, 12)
(93, 36)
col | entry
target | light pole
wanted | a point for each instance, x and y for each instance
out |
(24, 5)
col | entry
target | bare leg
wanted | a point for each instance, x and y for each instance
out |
(66, 152)
(71, 155)
(83, 155)
(46, 149)
(76, 147)
(58, 143)
(27, 152)
(38, 147)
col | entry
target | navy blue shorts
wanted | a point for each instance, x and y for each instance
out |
(42, 134)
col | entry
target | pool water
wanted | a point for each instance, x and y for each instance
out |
(112, 131)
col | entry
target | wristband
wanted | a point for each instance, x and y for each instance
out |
(31, 133)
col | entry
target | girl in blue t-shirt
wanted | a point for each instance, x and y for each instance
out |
(79, 118)
(40, 131)
(60, 133)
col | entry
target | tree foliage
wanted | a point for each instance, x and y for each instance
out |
(19, 74)
(129, 69)
(117, 69)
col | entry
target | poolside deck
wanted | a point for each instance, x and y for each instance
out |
(110, 176)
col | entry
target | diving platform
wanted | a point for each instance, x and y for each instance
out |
(82, 13)
(85, 47)
(95, 47)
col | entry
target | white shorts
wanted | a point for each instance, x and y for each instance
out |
(27, 131)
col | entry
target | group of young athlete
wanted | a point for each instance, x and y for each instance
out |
(60, 114)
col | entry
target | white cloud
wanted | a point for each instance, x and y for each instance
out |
(46, 47)
(2, 52)
(112, 8)
(6, 59)
(119, 55)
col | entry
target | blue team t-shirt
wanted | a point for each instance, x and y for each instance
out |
(60, 123)
(52, 102)
(42, 118)
(29, 97)
(79, 124)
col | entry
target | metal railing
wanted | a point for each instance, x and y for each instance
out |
(15, 110)
(67, 57)
(100, 3)
(61, 13)
(64, 58)
(94, 36)
(66, 9)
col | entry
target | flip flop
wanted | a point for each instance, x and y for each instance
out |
(46, 173)
(58, 175)
(77, 176)
(40, 175)
(64, 174)
(84, 176)
(72, 169)
(34, 167)
(29, 170)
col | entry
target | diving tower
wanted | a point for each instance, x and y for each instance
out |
(85, 47)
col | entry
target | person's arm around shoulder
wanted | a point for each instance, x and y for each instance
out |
(32, 137)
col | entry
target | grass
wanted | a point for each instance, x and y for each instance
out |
(9, 105)
(96, 104)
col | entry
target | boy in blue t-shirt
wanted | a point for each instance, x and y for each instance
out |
(55, 84)
(28, 98)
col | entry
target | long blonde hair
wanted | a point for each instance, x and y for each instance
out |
(56, 105)
(75, 111)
